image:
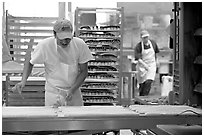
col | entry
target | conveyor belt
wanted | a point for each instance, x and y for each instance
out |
(151, 100)
(96, 117)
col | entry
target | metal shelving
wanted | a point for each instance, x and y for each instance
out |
(187, 75)
(102, 86)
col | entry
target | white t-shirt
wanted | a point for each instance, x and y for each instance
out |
(58, 73)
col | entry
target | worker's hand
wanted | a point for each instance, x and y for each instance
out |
(147, 68)
(18, 88)
(143, 64)
(67, 94)
(58, 103)
(63, 93)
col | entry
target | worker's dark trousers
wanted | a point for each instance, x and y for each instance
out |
(145, 87)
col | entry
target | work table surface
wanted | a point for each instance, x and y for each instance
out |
(97, 117)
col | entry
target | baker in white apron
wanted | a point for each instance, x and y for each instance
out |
(66, 69)
(146, 66)
(65, 58)
(61, 79)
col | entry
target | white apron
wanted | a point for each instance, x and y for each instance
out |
(57, 80)
(148, 56)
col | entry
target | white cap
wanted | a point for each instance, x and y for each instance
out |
(144, 33)
(63, 28)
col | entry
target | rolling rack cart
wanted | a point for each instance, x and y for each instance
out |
(104, 82)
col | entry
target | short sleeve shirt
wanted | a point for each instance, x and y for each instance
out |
(138, 49)
(46, 53)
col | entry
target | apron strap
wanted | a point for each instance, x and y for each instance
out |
(56, 90)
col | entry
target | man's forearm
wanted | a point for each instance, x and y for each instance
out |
(79, 80)
(26, 71)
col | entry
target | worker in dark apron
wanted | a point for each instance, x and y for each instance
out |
(145, 54)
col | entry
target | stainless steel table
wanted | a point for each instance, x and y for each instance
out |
(96, 117)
